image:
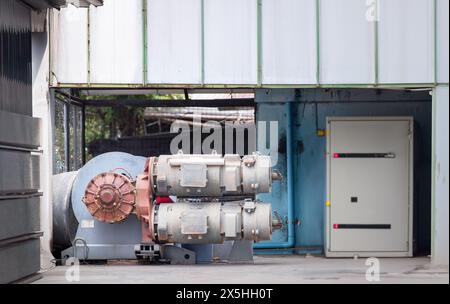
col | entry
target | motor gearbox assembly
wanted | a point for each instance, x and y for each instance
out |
(177, 200)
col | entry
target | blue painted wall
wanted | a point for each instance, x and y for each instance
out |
(312, 106)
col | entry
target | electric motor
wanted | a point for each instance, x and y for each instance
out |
(189, 199)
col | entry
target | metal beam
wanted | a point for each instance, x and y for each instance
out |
(211, 103)
(83, 135)
(244, 86)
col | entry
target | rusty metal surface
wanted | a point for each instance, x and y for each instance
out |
(110, 197)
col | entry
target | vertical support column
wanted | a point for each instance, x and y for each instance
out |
(52, 128)
(440, 175)
(145, 41)
(83, 135)
(89, 45)
(67, 136)
(75, 135)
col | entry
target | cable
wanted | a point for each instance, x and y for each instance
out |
(125, 170)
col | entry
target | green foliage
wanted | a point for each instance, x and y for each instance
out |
(117, 122)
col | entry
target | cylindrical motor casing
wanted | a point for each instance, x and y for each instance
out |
(254, 222)
(212, 175)
(207, 223)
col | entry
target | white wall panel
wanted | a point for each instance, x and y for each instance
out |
(441, 149)
(230, 42)
(406, 33)
(346, 43)
(117, 42)
(174, 41)
(289, 41)
(72, 59)
(442, 40)
(288, 47)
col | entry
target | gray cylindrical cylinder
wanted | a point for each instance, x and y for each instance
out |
(65, 224)
(254, 222)
(212, 175)
(201, 223)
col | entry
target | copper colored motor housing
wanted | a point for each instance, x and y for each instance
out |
(144, 201)
(110, 197)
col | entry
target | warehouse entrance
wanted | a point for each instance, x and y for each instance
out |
(301, 230)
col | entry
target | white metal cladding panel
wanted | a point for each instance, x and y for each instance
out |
(230, 42)
(346, 43)
(442, 40)
(289, 53)
(117, 42)
(174, 41)
(72, 50)
(406, 41)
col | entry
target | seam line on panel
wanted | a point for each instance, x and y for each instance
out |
(202, 42)
(89, 45)
(145, 42)
(435, 42)
(318, 63)
(259, 41)
(377, 42)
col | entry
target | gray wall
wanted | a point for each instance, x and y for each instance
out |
(19, 135)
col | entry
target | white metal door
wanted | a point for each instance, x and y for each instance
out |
(369, 175)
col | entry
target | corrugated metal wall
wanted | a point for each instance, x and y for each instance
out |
(15, 58)
(19, 137)
(268, 43)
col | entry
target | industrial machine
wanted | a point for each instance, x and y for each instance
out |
(172, 208)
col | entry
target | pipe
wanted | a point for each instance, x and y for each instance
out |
(290, 243)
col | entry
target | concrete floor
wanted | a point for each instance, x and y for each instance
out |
(266, 269)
